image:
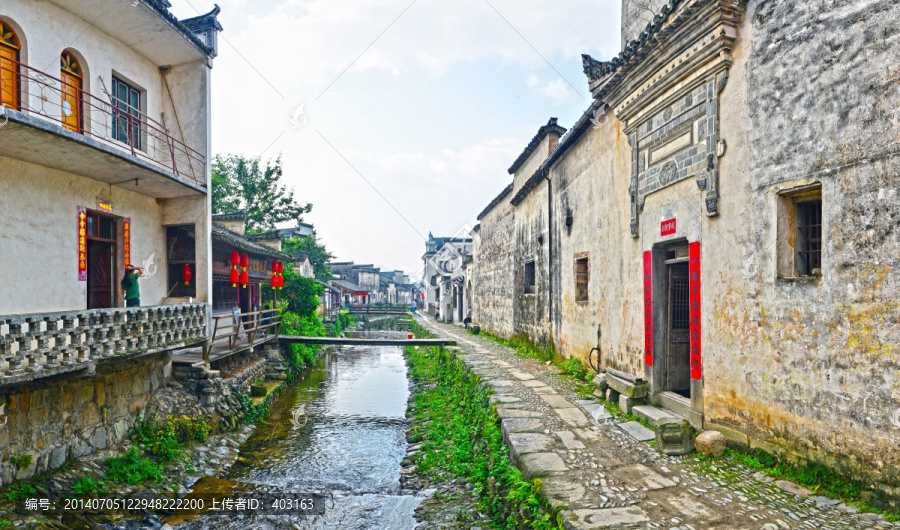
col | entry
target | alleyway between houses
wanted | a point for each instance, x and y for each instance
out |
(601, 476)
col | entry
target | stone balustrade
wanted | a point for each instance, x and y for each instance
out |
(36, 345)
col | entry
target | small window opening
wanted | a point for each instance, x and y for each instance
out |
(529, 277)
(582, 278)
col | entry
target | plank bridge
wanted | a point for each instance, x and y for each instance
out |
(356, 341)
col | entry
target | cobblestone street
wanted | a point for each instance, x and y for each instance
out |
(601, 476)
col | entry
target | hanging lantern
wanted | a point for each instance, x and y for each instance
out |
(235, 277)
(280, 282)
(274, 282)
(280, 267)
(274, 266)
(186, 274)
(245, 261)
(235, 258)
(245, 279)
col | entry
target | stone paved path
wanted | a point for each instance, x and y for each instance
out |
(600, 476)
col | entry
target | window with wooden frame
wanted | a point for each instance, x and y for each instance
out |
(126, 113)
(800, 235)
(181, 250)
(529, 278)
(582, 278)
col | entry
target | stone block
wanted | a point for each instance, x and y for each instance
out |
(573, 416)
(710, 444)
(627, 404)
(592, 518)
(600, 382)
(632, 389)
(535, 465)
(674, 437)
(516, 425)
(651, 413)
(612, 395)
(521, 444)
(258, 390)
(637, 431)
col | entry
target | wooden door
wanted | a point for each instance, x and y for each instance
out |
(71, 104)
(100, 286)
(678, 356)
(9, 68)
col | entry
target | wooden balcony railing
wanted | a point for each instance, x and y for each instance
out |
(254, 327)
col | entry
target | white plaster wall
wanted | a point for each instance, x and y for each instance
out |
(39, 243)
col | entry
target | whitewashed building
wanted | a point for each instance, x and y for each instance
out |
(104, 161)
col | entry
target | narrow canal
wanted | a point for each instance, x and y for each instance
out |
(350, 447)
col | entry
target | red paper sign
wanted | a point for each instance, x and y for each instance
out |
(82, 244)
(694, 267)
(648, 310)
(667, 227)
(126, 239)
(104, 206)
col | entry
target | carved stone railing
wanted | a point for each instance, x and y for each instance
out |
(36, 345)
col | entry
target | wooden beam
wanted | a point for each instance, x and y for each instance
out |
(296, 339)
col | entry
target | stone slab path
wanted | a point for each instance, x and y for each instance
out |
(597, 472)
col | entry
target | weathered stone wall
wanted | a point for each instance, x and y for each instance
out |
(55, 420)
(636, 14)
(810, 366)
(494, 260)
(587, 191)
(531, 313)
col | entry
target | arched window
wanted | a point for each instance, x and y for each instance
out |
(9, 66)
(71, 75)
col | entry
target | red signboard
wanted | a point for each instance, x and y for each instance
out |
(82, 244)
(694, 267)
(667, 227)
(648, 310)
(104, 206)
(126, 239)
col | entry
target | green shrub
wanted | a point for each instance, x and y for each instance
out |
(88, 486)
(23, 461)
(20, 492)
(167, 437)
(574, 367)
(133, 468)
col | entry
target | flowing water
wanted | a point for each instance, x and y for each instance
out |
(350, 448)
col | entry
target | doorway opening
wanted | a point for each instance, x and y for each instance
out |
(101, 261)
(678, 319)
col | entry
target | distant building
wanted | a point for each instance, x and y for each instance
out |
(228, 236)
(445, 277)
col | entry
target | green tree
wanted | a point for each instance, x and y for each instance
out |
(239, 183)
(301, 294)
(318, 255)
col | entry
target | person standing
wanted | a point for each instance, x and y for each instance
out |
(130, 287)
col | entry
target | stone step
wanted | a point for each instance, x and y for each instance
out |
(651, 413)
(637, 431)
(677, 405)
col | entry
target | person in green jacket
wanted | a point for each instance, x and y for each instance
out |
(130, 287)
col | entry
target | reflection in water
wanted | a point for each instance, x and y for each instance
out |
(350, 447)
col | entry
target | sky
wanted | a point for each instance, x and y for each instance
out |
(396, 118)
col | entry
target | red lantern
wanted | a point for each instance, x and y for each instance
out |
(245, 279)
(274, 266)
(235, 258)
(235, 277)
(186, 274)
(245, 261)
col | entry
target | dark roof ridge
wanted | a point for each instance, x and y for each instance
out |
(595, 69)
(551, 126)
(188, 25)
(497, 200)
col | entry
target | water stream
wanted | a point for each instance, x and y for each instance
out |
(350, 448)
